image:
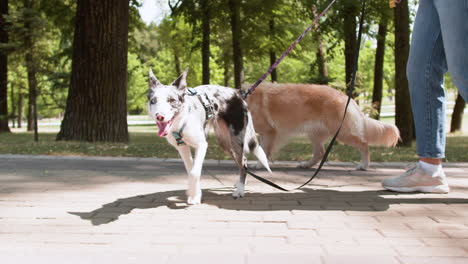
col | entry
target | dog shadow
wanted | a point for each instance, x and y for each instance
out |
(308, 199)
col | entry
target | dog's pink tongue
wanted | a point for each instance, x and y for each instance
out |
(163, 126)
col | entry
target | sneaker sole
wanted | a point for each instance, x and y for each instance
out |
(424, 189)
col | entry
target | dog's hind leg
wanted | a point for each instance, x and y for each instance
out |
(240, 185)
(360, 145)
(319, 150)
(237, 153)
(267, 142)
(365, 156)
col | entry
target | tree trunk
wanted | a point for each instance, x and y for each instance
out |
(234, 6)
(378, 70)
(457, 115)
(205, 5)
(177, 63)
(320, 54)
(321, 61)
(274, 74)
(20, 108)
(349, 29)
(403, 113)
(3, 70)
(31, 69)
(97, 100)
(13, 106)
(32, 83)
(226, 72)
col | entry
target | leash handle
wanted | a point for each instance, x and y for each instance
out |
(278, 61)
(350, 92)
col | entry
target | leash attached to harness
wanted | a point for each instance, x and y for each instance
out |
(350, 92)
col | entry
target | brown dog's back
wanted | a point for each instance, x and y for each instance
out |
(281, 110)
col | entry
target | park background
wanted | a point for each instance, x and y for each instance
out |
(91, 58)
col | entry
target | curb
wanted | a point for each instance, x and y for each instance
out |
(397, 165)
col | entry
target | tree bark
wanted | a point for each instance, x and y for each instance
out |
(97, 100)
(274, 73)
(349, 29)
(403, 113)
(234, 6)
(20, 109)
(206, 17)
(378, 70)
(177, 63)
(321, 61)
(32, 70)
(457, 115)
(3, 70)
(226, 72)
(13, 106)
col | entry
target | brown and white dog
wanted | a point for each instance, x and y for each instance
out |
(282, 110)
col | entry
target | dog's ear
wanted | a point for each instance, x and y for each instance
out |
(152, 81)
(181, 81)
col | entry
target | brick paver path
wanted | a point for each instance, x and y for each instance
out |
(98, 210)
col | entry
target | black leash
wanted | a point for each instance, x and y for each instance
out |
(350, 92)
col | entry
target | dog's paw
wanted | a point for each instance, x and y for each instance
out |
(305, 165)
(194, 200)
(361, 167)
(257, 166)
(239, 191)
(194, 196)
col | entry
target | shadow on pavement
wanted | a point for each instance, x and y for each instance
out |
(308, 199)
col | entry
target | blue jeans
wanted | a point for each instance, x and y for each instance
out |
(439, 43)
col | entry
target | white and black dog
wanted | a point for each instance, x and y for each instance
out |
(183, 114)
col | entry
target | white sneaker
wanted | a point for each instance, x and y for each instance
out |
(417, 179)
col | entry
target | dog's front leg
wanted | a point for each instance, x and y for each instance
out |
(186, 155)
(194, 190)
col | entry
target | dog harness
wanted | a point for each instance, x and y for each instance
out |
(208, 105)
(209, 113)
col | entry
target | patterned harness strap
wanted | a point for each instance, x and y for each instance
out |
(209, 113)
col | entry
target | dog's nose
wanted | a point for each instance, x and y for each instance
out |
(159, 117)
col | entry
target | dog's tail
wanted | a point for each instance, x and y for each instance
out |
(380, 133)
(251, 144)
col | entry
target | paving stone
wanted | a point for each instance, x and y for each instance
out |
(90, 210)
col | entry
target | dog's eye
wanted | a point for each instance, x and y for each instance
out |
(153, 101)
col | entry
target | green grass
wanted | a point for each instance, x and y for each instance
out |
(144, 142)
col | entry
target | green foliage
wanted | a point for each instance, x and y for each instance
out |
(175, 43)
(148, 144)
(137, 85)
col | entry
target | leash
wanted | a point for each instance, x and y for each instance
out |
(350, 92)
(278, 61)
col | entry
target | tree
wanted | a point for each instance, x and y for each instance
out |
(235, 6)
(378, 69)
(205, 50)
(97, 100)
(457, 115)
(349, 13)
(403, 114)
(3, 69)
(31, 66)
(273, 58)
